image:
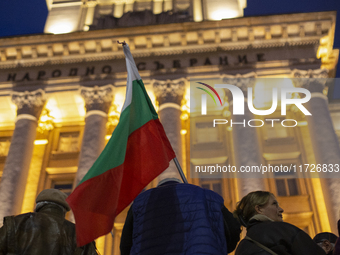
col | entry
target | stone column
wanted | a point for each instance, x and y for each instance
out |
(97, 102)
(169, 94)
(14, 177)
(245, 140)
(323, 137)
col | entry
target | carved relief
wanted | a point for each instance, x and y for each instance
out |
(243, 81)
(313, 80)
(29, 102)
(97, 98)
(170, 91)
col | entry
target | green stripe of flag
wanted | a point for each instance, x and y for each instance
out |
(139, 112)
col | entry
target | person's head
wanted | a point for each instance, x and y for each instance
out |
(52, 196)
(169, 180)
(259, 202)
(326, 241)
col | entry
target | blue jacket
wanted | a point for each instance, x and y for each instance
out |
(178, 219)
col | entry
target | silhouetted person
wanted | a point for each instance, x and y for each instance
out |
(45, 231)
(177, 218)
(326, 241)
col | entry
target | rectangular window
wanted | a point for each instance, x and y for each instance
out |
(212, 184)
(63, 185)
(286, 183)
(206, 133)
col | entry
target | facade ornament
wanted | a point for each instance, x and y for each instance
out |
(313, 80)
(29, 102)
(242, 81)
(46, 121)
(97, 98)
(169, 91)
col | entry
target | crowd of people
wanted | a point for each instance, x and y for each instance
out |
(173, 218)
(177, 218)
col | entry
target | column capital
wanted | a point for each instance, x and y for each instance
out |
(97, 98)
(29, 102)
(313, 80)
(169, 91)
(242, 81)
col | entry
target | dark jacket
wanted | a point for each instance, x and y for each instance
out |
(281, 237)
(41, 233)
(179, 219)
(336, 250)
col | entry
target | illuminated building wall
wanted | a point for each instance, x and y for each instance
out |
(61, 95)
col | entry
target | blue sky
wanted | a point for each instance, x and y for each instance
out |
(20, 17)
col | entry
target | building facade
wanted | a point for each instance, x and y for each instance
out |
(61, 96)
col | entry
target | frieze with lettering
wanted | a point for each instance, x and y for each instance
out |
(83, 71)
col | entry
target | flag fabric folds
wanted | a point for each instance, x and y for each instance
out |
(137, 152)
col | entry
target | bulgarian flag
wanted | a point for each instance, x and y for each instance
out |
(137, 152)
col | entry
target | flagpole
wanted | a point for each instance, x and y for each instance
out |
(180, 170)
(175, 159)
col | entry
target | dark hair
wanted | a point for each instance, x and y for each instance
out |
(245, 209)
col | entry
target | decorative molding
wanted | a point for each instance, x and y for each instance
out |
(167, 39)
(26, 117)
(169, 91)
(243, 81)
(169, 105)
(97, 98)
(319, 95)
(29, 102)
(96, 112)
(313, 80)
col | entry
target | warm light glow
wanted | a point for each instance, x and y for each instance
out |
(321, 205)
(322, 52)
(33, 179)
(100, 244)
(61, 27)
(54, 111)
(186, 103)
(153, 99)
(184, 116)
(107, 137)
(324, 40)
(119, 101)
(80, 105)
(41, 142)
(183, 132)
(224, 14)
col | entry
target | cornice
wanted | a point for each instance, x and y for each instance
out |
(275, 31)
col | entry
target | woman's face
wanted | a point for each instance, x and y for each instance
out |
(272, 209)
